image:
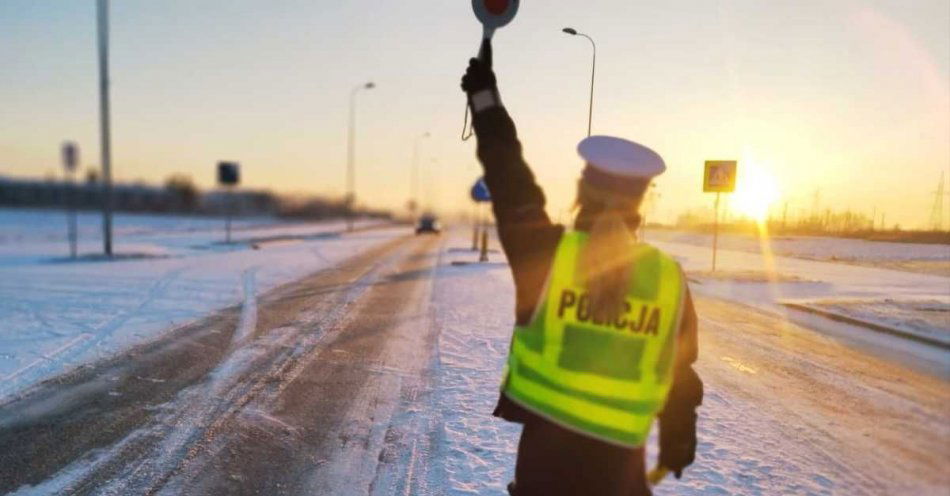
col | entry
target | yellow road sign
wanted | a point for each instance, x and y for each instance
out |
(720, 176)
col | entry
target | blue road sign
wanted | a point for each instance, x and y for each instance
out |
(480, 191)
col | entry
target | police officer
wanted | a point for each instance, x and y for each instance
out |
(605, 333)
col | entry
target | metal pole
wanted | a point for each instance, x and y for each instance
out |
(350, 172)
(71, 213)
(102, 11)
(475, 225)
(483, 254)
(593, 67)
(715, 233)
(413, 179)
(350, 155)
(229, 205)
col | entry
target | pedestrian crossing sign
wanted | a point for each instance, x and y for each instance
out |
(720, 176)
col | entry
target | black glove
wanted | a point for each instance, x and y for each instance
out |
(677, 443)
(479, 75)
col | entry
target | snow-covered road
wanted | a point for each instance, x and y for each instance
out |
(792, 411)
(58, 314)
(377, 375)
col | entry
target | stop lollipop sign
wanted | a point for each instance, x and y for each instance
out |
(494, 14)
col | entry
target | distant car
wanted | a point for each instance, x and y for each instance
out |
(428, 224)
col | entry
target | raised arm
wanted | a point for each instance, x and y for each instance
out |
(526, 233)
(515, 194)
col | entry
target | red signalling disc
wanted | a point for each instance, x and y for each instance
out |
(496, 7)
(494, 14)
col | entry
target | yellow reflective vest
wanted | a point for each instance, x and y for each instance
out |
(605, 379)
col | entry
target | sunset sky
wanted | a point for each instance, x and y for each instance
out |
(851, 98)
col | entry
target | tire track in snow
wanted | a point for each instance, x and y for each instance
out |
(76, 347)
(248, 321)
(340, 398)
(97, 424)
(185, 429)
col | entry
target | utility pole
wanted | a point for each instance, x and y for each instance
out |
(102, 16)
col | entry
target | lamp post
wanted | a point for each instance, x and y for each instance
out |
(350, 152)
(105, 140)
(414, 179)
(593, 67)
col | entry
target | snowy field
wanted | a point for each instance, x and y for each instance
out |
(913, 257)
(58, 313)
(909, 302)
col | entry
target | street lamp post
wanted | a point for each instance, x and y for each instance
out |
(105, 140)
(593, 67)
(350, 155)
(414, 179)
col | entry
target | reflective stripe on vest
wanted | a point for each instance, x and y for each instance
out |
(604, 379)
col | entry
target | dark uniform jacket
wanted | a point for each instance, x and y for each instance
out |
(553, 460)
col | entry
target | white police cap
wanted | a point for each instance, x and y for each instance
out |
(619, 165)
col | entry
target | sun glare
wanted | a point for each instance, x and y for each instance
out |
(756, 191)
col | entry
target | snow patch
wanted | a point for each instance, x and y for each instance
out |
(170, 270)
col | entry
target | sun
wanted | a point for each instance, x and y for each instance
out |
(756, 191)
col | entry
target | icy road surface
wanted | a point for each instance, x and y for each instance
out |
(59, 314)
(377, 375)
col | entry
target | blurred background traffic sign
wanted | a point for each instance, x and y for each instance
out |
(480, 193)
(228, 173)
(719, 176)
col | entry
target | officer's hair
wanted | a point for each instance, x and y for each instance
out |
(605, 263)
